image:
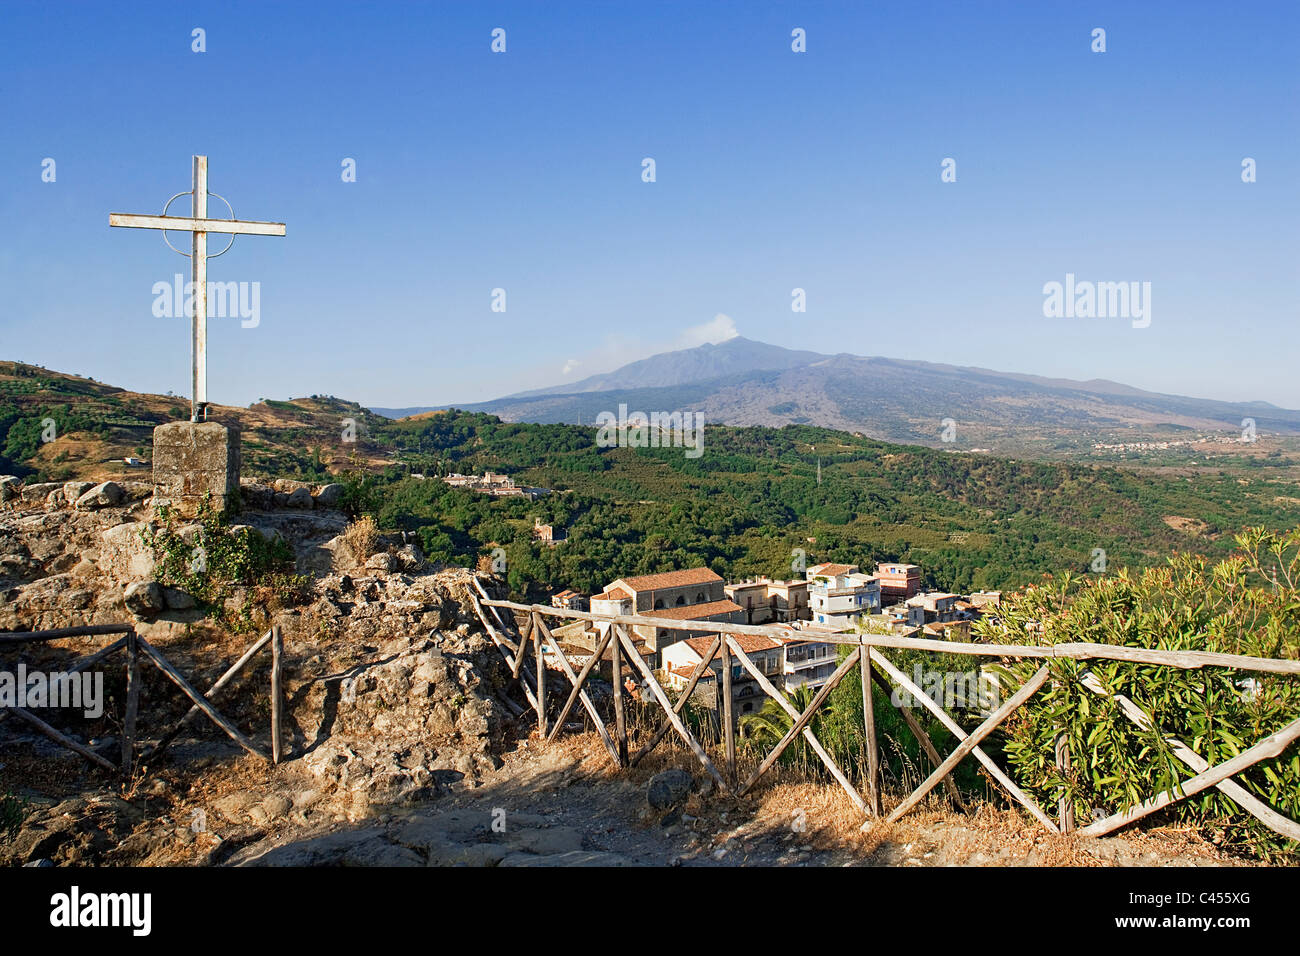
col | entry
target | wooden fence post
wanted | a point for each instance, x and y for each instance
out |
(616, 671)
(536, 628)
(727, 716)
(132, 705)
(869, 731)
(277, 691)
(1066, 807)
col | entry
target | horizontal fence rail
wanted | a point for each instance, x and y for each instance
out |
(877, 672)
(1187, 660)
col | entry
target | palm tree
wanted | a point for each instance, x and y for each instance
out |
(762, 731)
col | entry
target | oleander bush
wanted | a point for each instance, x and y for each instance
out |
(1247, 604)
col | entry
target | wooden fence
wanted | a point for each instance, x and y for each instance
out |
(135, 648)
(876, 671)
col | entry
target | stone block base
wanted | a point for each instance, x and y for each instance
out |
(193, 459)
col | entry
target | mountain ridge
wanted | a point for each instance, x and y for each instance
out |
(744, 382)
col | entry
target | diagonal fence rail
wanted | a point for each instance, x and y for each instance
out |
(877, 672)
(135, 649)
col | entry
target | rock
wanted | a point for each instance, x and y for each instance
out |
(144, 598)
(137, 490)
(290, 485)
(383, 561)
(10, 487)
(255, 495)
(668, 789)
(72, 490)
(39, 491)
(234, 807)
(299, 498)
(329, 495)
(276, 806)
(109, 494)
(409, 557)
(546, 842)
(124, 555)
(177, 600)
(366, 847)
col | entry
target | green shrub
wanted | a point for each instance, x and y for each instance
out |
(13, 811)
(1246, 604)
(219, 558)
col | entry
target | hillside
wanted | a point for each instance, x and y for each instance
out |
(96, 426)
(744, 507)
(754, 497)
(742, 382)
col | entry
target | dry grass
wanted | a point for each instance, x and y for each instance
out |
(361, 536)
(823, 817)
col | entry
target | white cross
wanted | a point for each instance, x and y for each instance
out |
(199, 225)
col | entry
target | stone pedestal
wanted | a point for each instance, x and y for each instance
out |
(193, 459)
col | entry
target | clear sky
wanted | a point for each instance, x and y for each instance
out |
(775, 170)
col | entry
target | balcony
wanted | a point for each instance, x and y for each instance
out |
(813, 660)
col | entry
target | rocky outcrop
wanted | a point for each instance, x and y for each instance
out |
(143, 598)
(395, 695)
(421, 717)
(108, 494)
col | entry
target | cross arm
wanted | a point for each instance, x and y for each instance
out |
(187, 224)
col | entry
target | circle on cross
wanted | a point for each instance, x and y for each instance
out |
(190, 192)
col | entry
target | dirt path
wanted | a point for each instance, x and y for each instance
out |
(565, 806)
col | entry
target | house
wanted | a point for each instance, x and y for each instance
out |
(829, 570)
(838, 594)
(546, 533)
(808, 662)
(788, 600)
(747, 696)
(500, 486)
(767, 600)
(752, 596)
(933, 607)
(948, 630)
(693, 594)
(898, 582)
(569, 600)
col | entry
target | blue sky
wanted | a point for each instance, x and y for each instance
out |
(775, 170)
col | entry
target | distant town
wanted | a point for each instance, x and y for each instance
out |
(490, 483)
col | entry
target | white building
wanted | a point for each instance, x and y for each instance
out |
(838, 594)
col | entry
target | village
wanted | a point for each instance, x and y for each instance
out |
(829, 599)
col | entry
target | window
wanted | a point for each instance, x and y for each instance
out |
(681, 599)
(659, 604)
(700, 598)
